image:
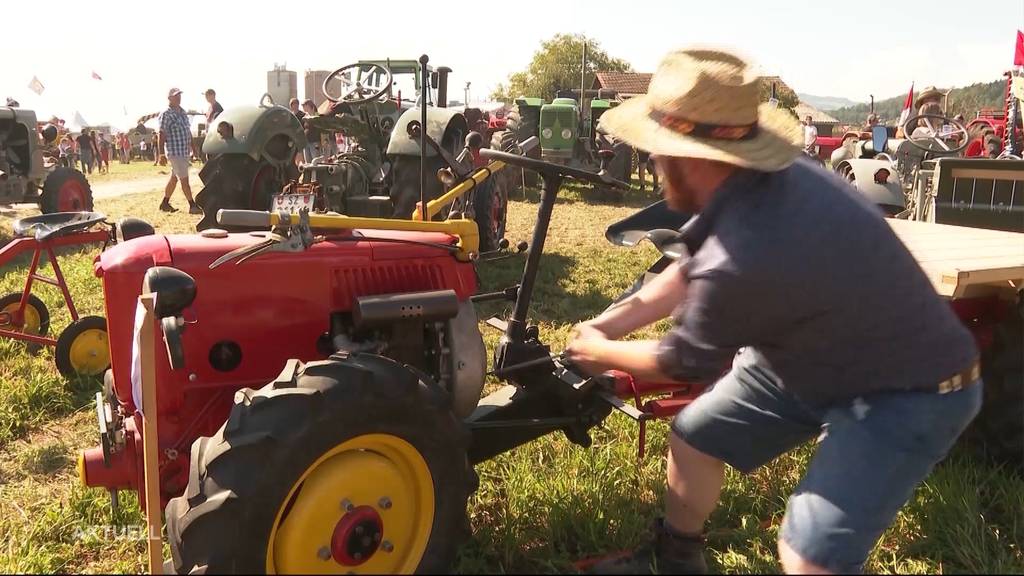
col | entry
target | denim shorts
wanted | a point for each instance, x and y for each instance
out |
(872, 452)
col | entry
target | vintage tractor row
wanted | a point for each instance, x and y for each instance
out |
(345, 437)
(253, 148)
(903, 175)
(569, 132)
(29, 170)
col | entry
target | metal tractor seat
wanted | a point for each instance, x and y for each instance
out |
(56, 225)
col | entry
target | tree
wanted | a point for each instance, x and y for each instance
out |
(557, 66)
(788, 100)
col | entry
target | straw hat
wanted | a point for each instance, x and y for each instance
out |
(929, 93)
(704, 103)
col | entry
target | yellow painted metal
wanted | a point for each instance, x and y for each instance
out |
(31, 318)
(474, 179)
(464, 229)
(362, 471)
(89, 352)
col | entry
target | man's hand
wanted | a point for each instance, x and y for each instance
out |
(585, 349)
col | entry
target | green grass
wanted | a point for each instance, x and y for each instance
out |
(539, 508)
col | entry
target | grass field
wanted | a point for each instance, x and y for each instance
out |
(538, 508)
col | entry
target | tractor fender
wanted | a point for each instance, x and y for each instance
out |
(861, 174)
(253, 128)
(447, 127)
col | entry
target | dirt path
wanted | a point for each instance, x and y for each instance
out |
(124, 187)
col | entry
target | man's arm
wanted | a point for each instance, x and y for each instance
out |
(720, 315)
(654, 301)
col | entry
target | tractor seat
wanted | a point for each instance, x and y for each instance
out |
(48, 226)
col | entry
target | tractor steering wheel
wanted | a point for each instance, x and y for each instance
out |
(354, 91)
(935, 142)
(548, 169)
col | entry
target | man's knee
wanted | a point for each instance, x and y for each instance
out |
(793, 563)
(681, 452)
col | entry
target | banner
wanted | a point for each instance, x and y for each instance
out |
(36, 86)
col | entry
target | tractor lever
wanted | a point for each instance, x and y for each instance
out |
(289, 236)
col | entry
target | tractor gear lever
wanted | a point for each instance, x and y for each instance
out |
(293, 234)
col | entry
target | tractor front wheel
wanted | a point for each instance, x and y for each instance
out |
(355, 465)
(999, 426)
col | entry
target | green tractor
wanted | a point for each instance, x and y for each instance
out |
(569, 136)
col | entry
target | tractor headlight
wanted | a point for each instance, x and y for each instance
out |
(547, 133)
(566, 133)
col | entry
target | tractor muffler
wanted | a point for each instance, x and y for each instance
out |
(386, 310)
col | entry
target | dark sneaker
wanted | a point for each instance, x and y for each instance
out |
(194, 209)
(669, 553)
(165, 206)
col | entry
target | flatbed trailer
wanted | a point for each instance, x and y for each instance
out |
(965, 262)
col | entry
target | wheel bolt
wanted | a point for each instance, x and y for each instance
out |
(346, 505)
(357, 556)
(324, 553)
(384, 503)
(387, 546)
(359, 530)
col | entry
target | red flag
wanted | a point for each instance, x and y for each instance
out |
(96, 76)
(908, 105)
(1018, 54)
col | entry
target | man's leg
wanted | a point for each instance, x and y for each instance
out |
(694, 485)
(165, 205)
(745, 420)
(874, 453)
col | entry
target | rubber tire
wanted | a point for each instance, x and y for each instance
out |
(999, 426)
(228, 183)
(62, 353)
(239, 477)
(483, 203)
(44, 316)
(49, 200)
(515, 131)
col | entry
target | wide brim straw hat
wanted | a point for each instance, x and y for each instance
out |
(930, 92)
(704, 103)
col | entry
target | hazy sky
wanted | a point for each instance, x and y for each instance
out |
(140, 49)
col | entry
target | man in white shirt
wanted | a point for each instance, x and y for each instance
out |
(810, 135)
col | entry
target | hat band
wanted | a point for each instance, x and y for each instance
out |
(704, 130)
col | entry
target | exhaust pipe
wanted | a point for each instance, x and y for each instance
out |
(442, 86)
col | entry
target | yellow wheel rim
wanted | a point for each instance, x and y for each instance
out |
(378, 474)
(89, 353)
(31, 319)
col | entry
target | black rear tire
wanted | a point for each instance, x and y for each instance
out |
(237, 182)
(240, 478)
(61, 182)
(490, 217)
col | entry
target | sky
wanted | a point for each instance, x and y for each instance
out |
(140, 49)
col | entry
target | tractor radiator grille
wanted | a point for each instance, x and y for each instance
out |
(351, 283)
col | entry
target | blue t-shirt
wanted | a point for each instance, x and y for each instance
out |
(804, 274)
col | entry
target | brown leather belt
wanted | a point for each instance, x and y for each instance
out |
(964, 379)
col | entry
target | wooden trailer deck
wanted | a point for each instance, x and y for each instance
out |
(965, 262)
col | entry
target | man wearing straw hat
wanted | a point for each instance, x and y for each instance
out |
(797, 289)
